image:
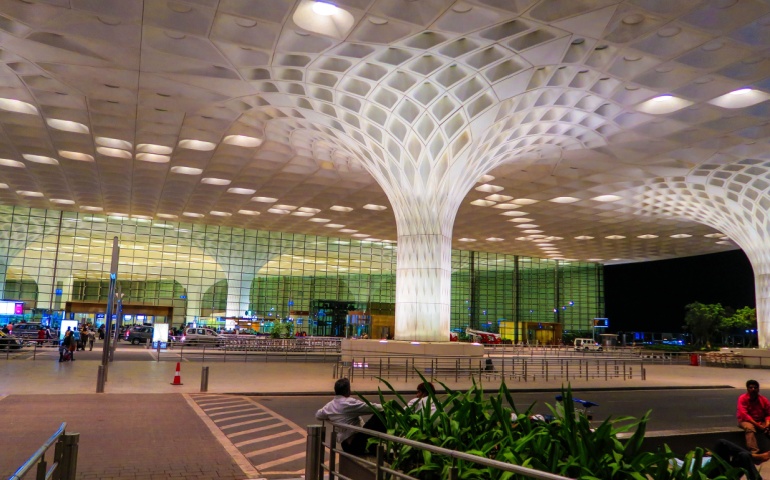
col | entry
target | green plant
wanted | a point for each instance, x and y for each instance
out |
(568, 446)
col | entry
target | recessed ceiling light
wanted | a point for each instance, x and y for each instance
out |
(113, 143)
(153, 148)
(285, 207)
(193, 214)
(62, 201)
(485, 179)
(3, 185)
(467, 240)
(113, 152)
(614, 237)
(186, 170)
(646, 237)
(66, 125)
(17, 106)
(248, 212)
(220, 214)
(278, 211)
(663, 104)
(334, 225)
(140, 217)
(496, 197)
(741, 98)
(197, 145)
(27, 193)
(532, 231)
(584, 237)
(483, 203)
(495, 239)
(723, 242)
(242, 141)
(489, 188)
(527, 225)
(681, 235)
(564, 200)
(302, 214)
(309, 210)
(321, 220)
(153, 158)
(715, 235)
(516, 213)
(117, 214)
(241, 191)
(360, 235)
(264, 199)
(40, 159)
(506, 206)
(215, 181)
(82, 157)
(167, 215)
(339, 208)
(607, 198)
(370, 206)
(324, 9)
(521, 220)
(6, 162)
(91, 209)
(524, 201)
(347, 230)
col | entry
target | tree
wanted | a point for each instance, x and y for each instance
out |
(703, 321)
(741, 321)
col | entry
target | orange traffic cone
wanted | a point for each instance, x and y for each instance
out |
(177, 376)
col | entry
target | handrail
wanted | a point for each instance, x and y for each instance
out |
(39, 455)
(487, 462)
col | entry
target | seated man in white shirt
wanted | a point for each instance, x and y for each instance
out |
(347, 410)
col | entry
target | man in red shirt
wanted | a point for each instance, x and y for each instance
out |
(754, 416)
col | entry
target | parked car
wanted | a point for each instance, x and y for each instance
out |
(26, 330)
(137, 335)
(9, 342)
(199, 335)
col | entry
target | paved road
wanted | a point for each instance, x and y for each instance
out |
(671, 409)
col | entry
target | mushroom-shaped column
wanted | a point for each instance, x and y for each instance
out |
(734, 199)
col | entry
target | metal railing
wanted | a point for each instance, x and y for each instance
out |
(65, 458)
(522, 369)
(315, 464)
(246, 349)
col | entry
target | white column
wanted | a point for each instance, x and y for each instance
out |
(762, 289)
(423, 287)
(238, 293)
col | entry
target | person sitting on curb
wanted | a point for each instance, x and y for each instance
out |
(753, 415)
(344, 409)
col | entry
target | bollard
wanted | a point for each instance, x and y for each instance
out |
(313, 469)
(205, 379)
(100, 379)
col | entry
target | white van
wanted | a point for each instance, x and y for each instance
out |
(586, 345)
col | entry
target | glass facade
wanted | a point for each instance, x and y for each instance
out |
(58, 263)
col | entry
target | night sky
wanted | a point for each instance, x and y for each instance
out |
(651, 296)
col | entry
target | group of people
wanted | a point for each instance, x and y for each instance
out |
(75, 340)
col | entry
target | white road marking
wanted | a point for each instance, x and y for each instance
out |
(262, 439)
(274, 448)
(248, 469)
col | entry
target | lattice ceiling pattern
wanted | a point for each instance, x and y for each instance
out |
(562, 122)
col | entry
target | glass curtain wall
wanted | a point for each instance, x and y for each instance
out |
(207, 274)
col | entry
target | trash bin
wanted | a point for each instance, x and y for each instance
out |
(694, 359)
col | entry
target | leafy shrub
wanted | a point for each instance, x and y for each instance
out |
(568, 446)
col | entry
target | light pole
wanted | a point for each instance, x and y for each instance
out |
(118, 321)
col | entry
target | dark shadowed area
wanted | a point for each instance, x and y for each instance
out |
(651, 296)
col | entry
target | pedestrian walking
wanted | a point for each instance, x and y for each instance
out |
(91, 339)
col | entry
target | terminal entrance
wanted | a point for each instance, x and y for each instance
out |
(329, 317)
(133, 314)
